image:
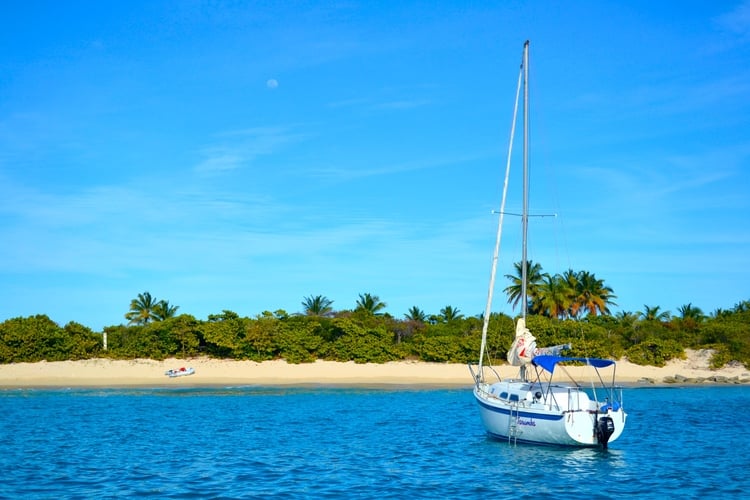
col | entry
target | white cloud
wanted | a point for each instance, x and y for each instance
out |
(404, 104)
(738, 20)
(345, 174)
(219, 160)
(235, 149)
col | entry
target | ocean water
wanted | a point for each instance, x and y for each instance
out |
(255, 442)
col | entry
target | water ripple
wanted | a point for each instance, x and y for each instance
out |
(329, 443)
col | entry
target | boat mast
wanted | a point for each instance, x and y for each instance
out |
(525, 213)
(488, 307)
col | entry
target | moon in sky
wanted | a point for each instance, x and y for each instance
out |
(272, 83)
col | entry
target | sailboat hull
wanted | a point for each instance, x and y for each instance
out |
(556, 415)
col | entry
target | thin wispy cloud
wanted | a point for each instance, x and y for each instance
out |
(353, 102)
(671, 97)
(349, 173)
(236, 149)
(737, 21)
(403, 104)
(220, 159)
(369, 104)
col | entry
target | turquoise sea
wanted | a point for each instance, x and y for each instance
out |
(253, 442)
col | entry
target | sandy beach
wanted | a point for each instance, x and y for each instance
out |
(214, 372)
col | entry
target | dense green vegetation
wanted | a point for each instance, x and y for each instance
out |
(367, 335)
(572, 307)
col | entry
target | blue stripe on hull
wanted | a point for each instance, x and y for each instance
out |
(540, 416)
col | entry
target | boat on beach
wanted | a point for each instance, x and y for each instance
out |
(536, 407)
(179, 372)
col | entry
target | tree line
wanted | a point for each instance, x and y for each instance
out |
(571, 307)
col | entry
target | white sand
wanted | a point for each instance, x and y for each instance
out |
(143, 372)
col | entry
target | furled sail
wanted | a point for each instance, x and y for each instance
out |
(524, 347)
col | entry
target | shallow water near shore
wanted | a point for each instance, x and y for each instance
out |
(251, 442)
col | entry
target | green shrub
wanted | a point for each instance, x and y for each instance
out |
(654, 352)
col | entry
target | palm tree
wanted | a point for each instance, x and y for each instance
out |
(553, 297)
(720, 313)
(318, 305)
(626, 316)
(570, 280)
(653, 314)
(450, 313)
(370, 304)
(163, 310)
(534, 277)
(416, 314)
(591, 295)
(689, 312)
(142, 309)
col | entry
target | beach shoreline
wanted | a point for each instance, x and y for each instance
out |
(102, 372)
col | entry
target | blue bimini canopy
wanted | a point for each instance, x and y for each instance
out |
(549, 362)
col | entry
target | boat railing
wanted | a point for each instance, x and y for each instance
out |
(479, 376)
(605, 395)
(616, 394)
(574, 399)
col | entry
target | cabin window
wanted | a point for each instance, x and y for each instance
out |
(503, 395)
(514, 397)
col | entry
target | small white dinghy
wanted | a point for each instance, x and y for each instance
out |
(179, 372)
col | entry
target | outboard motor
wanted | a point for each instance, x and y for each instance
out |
(605, 427)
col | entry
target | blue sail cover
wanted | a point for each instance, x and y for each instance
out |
(549, 362)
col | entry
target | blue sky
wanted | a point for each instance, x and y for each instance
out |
(245, 155)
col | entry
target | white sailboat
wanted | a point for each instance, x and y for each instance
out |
(536, 407)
